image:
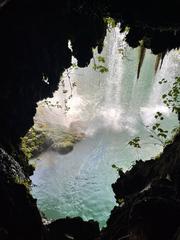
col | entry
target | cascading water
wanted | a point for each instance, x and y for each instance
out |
(110, 108)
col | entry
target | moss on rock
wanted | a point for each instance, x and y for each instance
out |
(65, 141)
(63, 147)
(39, 139)
(33, 143)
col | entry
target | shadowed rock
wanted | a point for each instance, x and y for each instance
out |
(73, 228)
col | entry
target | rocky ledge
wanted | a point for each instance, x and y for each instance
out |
(42, 137)
(73, 228)
(148, 196)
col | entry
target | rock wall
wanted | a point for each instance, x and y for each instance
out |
(73, 228)
(148, 198)
(20, 218)
(33, 47)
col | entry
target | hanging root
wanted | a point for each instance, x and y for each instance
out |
(163, 54)
(141, 59)
(158, 59)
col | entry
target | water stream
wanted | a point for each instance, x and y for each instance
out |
(111, 108)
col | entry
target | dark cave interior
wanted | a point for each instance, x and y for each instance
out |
(34, 43)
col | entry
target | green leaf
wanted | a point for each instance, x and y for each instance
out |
(164, 95)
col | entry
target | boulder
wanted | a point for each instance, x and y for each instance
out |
(73, 228)
(38, 139)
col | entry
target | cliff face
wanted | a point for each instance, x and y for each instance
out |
(20, 218)
(34, 47)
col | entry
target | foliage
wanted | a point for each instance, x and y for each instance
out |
(121, 201)
(159, 116)
(23, 181)
(122, 49)
(172, 98)
(32, 142)
(43, 137)
(100, 67)
(50, 104)
(110, 22)
(101, 59)
(119, 170)
(67, 86)
(135, 142)
(116, 167)
(63, 142)
(158, 133)
(162, 81)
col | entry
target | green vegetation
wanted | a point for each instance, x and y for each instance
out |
(64, 146)
(32, 142)
(110, 22)
(162, 136)
(67, 86)
(40, 138)
(23, 181)
(135, 142)
(100, 65)
(118, 169)
(63, 142)
(121, 201)
(172, 98)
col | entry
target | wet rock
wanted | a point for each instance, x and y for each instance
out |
(33, 44)
(9, 168)
(38, 139)
(34, 142)
(73, 228)
(20, 218)
(134, 180)
(148, 197)
(65, 141)
(63, 147)
(36, 46)
(117, 224)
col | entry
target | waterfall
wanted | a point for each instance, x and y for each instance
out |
(110, 108)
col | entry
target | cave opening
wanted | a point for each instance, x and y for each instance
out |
(81, 136)
(112, 108)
